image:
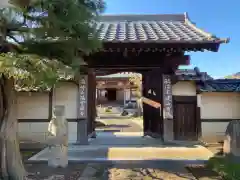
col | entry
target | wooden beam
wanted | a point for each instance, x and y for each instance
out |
(50, 104)
(151, 102)
(134, 60)
(171, 46)
(184, 60)
(138, 62)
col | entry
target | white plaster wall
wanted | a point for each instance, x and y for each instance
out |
(66, 93)
(101, 97)
(127, 94)
(36, 107)
(120, 95)
(32, 105)
(184, 88)
(218, 106)
(213, 131)
(213, 106)
(29, 131)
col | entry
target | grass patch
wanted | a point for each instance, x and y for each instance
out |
(27, 154)
(108, 109)
(201, 172)
(227, 169)
(137, 118)
(99, 124)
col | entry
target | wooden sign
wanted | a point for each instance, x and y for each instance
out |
(151, 102)
(83, 84)
(167, 97)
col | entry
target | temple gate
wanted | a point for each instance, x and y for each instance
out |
(153, 45)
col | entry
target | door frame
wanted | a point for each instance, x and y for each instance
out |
(187, 100)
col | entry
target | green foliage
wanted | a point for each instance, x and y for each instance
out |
(33, 71)
(229, 170)
(40, 31)
(136, 80)
(232, 77)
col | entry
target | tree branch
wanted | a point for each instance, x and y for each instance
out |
(13, 38)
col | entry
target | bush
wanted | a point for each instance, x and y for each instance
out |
(108, 109)
(228, 169)
(124, 113)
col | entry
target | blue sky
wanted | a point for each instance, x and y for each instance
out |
(219, 17)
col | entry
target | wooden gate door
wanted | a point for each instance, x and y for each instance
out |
(146, 118)
(185, 119)
(153, 123)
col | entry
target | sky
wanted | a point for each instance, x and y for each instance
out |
(218, 17)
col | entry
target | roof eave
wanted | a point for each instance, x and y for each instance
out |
(210, 36)
(164, 42)
(218, 91)
(184, 45)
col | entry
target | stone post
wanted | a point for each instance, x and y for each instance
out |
(58, 128)
(232, 140)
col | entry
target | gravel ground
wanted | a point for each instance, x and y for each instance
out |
(43, 172)
(136, 171)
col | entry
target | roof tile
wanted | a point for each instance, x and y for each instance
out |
(221, 85)
(150, 28)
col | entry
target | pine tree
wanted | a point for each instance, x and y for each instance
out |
(39, 40)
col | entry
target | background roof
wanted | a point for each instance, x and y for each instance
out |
(220, 85)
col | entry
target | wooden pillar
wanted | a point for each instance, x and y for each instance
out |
(124, 96)
(146, 120)
(155, 93)
(94, 105)
(50, 104)
(198, 116)
(91, 101)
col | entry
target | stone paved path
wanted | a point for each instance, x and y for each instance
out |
(121, 124)
(136, 171)
(117, 123)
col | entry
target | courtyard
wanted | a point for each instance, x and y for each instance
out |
(120, 151)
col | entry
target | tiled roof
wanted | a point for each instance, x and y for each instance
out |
(192, 75)
(220, 85)
(118, 75)
(168, 28)
(182, 75)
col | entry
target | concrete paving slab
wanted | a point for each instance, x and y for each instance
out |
(129, 146)
(130, 153)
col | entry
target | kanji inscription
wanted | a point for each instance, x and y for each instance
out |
(167, 97)
(83, 96)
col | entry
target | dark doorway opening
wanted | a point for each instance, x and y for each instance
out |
(111, 94)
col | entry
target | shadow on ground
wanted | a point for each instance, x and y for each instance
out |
(137, 170)
(206, 171)
(117, 116)
(151, 168)
(115, 126)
